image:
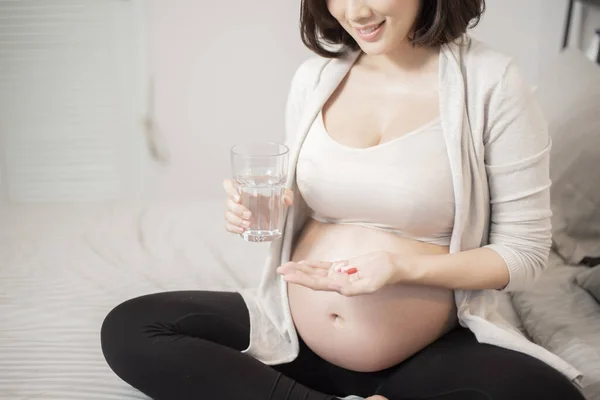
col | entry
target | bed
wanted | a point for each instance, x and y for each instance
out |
(62, 268)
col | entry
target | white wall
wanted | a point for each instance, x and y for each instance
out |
(529, 30)
(70, 101)
(222, 71)
(532, 30)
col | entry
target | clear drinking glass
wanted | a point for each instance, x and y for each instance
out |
(260, 171)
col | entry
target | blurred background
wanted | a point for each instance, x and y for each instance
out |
(129, 100)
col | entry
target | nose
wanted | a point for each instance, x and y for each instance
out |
(358, 11)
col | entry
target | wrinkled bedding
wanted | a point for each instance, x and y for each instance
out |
(62, 268)
(564, 318)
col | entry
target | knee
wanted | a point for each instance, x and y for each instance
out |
(121, 334)
(111, 323)
(117, 324)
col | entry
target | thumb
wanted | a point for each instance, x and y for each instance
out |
(288, 197)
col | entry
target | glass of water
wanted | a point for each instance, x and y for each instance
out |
(259, 172)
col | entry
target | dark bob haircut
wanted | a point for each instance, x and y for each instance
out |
(438, 22)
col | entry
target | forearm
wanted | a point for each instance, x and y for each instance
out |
(476, 269)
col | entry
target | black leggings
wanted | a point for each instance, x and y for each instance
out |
(187, 346)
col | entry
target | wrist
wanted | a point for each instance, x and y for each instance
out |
(409, 269)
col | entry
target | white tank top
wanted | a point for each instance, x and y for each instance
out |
(403, 186)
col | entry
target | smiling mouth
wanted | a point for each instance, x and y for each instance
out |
(370, 32)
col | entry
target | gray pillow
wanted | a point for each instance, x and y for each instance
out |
(590, 281)
(563, 318)
(569, 94)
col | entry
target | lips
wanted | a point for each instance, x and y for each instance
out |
(371, 32)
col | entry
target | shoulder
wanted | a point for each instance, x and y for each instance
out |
(316, 69)
(304, 82)
(484, 67)
(307, 75)
(481, 56)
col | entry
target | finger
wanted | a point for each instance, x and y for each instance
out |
(311, 270)
(235, 220)
(231, 190)
(238, 209)
(293, 267)
(309, 281)
(341, 266)
(287, 268)
(288, 197)
(317, 264)
(234, 229)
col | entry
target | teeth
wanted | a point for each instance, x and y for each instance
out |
(369, 30)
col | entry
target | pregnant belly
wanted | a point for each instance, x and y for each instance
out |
(371, 332)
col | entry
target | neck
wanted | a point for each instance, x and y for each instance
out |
(405, 58)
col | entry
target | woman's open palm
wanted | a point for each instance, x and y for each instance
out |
(357, 276)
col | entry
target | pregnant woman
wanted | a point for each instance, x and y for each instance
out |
(418, 190)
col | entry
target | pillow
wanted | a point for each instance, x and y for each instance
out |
(563, 318)
(590, 281)
(569, 95)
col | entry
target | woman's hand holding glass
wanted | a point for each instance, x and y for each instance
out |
(238, 217)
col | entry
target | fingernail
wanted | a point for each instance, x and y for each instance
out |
(246, 223)
(247, 214)
(236, 198)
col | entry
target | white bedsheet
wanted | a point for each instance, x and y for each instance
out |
(62, 268)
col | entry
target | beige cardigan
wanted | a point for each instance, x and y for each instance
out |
(498, 148)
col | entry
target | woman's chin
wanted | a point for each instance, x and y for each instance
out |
(375, 49)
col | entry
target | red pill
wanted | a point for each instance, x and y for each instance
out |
(351, 271)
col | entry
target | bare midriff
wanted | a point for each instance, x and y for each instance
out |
(369, 332)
